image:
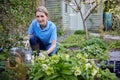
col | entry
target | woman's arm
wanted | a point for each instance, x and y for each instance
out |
(53, 46)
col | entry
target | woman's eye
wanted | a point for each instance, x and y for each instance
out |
(37, 16)
(42, 16)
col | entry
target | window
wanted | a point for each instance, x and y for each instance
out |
(66, 8)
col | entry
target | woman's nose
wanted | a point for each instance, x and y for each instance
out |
(40, 19)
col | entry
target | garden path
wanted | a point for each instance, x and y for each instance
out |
(107, 36)
(60, 38)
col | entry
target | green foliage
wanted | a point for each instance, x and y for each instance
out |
(110, 5)
(17, 14)
(95, 52)
(74, 39)
(113, 33)
(107, 5)
(116, 23)
(11, 28)
(67, 67)
(104, 65)
(79, 32)
(97, 41)
(60, 31)
(15, 18)
(95, 48)
(107, 75)
(3, 69)
(9, 40)
(113, 44)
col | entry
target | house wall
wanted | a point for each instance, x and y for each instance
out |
(95, 19)
(71, 20)
(65, 14)
(54, 8)
(93, 22)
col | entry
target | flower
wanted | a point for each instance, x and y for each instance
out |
(88, 65)
(77, 72)
(78, 56)
(55, 59)
(94, 72)
(45, 67)
(49, 71)
(42, 56)
(67, 56)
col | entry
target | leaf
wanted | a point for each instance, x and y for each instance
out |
(67, 65)
(66, 72)
(60, 78)
(39, 75)
(70, 77)
(52, 77)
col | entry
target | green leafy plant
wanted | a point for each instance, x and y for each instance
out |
(17, 14)
(65, 67)
(113, 44)
(94, 51)
(97, 41)
(79, 32)
(3, 59)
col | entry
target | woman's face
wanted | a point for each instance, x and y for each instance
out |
(42, 18)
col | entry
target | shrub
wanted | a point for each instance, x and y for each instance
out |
(79, 32)
(97, 41)
(94, 51)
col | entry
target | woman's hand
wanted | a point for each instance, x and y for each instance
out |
(26, 42)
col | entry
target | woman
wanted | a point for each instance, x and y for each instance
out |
(43, 33)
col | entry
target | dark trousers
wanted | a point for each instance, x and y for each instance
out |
(36, 41)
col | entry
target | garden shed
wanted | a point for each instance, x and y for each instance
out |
(65, 16)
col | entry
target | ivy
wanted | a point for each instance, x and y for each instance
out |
(17, 14)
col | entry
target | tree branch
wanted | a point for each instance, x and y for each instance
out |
(91, 10)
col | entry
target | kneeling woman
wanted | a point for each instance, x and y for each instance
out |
(42, 33)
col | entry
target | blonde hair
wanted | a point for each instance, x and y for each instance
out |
(42, 9)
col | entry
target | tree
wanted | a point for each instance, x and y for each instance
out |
(77, 8)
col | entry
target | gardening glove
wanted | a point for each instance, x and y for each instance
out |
(27, 44)
(41, 55)
(45, 53)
